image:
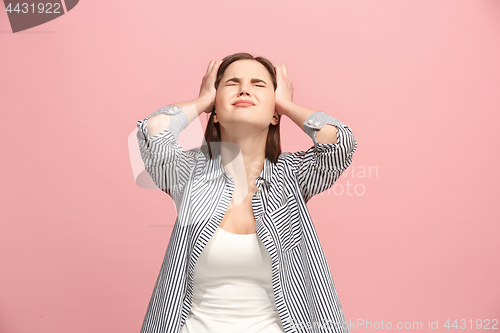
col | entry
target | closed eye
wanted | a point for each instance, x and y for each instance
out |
(258, 85)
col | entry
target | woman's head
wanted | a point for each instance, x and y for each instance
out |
(243, 77)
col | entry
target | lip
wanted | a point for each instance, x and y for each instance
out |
(244, 102)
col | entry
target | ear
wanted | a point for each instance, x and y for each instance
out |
(275, 118)
(215, 117)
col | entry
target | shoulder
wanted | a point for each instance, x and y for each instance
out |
(291, 160)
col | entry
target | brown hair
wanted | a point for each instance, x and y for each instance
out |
(212, 131)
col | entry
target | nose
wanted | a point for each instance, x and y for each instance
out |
(243, 90)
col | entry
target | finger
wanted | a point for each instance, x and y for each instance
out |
(210, 65)
(213, 65)
(285, 72)
(217, 65)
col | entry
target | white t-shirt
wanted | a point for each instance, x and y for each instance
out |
(232, 287)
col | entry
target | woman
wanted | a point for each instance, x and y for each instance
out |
(243, 255)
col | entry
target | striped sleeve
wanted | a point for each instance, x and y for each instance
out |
(168, 164)
(320, 166)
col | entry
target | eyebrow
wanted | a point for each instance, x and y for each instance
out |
(238, 80)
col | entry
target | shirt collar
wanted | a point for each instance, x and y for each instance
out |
(214, 169)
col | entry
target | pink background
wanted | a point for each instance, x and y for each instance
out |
(417, 81)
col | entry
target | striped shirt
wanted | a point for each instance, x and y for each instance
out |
(303, 287)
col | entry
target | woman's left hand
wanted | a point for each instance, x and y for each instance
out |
(284, 89)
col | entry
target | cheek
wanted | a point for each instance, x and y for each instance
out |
(270, 98)
(220, 95)
(221, 100)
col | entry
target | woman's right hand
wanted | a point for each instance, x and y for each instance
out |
(207, 89)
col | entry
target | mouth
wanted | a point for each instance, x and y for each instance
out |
(242, 104)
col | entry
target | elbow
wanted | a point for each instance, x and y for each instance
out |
(157, 124)
(327, 134)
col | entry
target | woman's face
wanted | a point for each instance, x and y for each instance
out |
(249, 80)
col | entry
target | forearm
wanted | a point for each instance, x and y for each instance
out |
(299, 114)
(192, 109)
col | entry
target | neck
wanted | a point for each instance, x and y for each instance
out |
(243, 158)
